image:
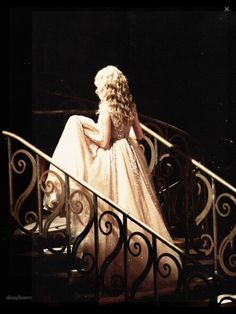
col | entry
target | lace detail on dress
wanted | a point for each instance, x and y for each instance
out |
(120, 129)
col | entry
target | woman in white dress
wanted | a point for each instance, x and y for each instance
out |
(107, 155)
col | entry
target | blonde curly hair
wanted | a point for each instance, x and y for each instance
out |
(113, 91)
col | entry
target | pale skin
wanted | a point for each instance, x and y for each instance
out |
(136, 131)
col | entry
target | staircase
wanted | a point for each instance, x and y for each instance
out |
(53, 282)
(48, 265)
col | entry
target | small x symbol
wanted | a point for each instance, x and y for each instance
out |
(226, 9)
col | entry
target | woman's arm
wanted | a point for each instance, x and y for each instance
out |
(136, 127)
(88, 123)
(97, 138)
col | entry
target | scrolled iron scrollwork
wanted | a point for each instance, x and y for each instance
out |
(54, 195)
(169, 269)
(76, 206)
(53, 182)
(85, 263)
(207, 206)
(109, 224)
(207, 244)
(228, 263)
(21, 163)
(135, 248)
(82, 255)
(31, 218)
(53, 189)
(23, 196)
(112, 283)
(164, 268)
(79, 200)
(226, 206)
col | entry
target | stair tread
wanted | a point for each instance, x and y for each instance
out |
(59, 223)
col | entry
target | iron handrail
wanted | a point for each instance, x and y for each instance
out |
(189, 158)
(110, 202)
(94, 191)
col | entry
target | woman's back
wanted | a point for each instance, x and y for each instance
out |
(120, 126)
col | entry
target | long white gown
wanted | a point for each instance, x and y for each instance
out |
(120, 173)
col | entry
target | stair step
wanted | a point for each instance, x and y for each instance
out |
(59, 223)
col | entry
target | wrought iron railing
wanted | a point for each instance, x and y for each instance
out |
(169, 171)
(199, 205)
(207, 201)
(132, 240)
(186, 192)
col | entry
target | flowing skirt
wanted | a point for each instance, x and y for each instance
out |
(121, 174)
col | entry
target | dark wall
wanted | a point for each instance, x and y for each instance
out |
(180, 63)
(174, 59)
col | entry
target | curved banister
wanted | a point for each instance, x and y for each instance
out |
(149, 131)
(192, 160)
(121, 210)
(110, 202)
(91, 189)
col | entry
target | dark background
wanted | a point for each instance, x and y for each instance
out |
(180, 62)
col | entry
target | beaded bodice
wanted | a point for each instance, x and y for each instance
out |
(120, 128)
